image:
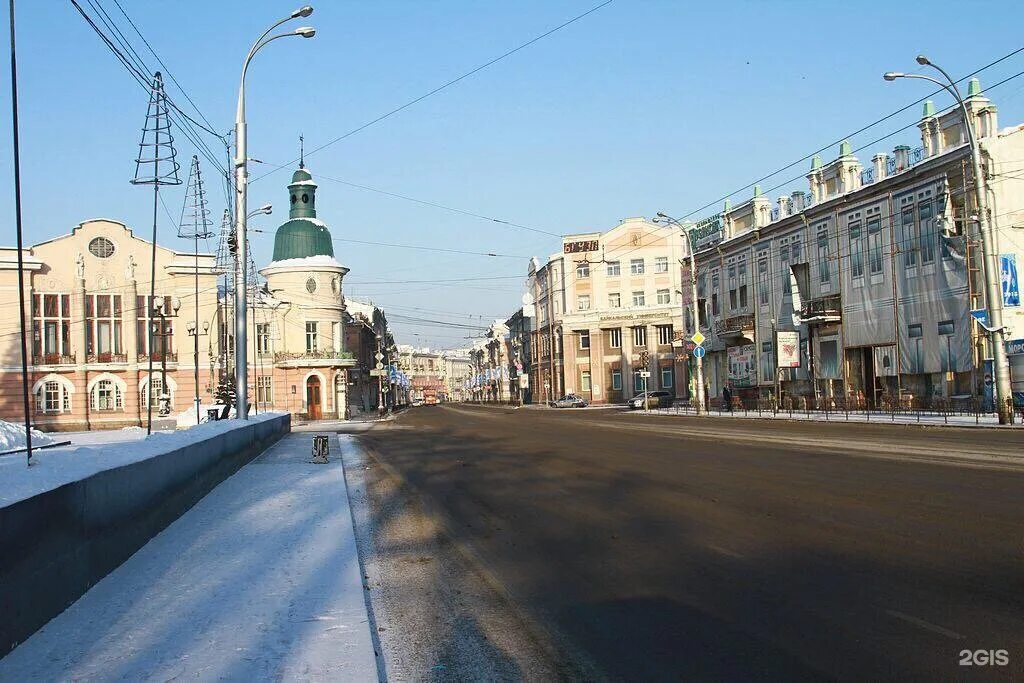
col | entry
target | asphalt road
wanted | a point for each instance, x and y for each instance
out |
(658, 548)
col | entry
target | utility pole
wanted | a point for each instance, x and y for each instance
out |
(21, 257)
(989, 245)
(699, 398)
(155, 146)
(195, 225)
(241, 201)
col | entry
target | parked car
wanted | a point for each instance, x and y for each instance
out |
(416, 402)
(431, 401)
(569, 401)
(652, 399)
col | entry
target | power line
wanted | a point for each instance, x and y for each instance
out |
(436, 205)
(412, 246)
(437, 282)
(442, 87)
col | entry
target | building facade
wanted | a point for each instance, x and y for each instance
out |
(89, 317)
(609, 315)
(860, 291)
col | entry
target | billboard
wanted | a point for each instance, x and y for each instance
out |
(707, 232)
(788, 346)
(742, 371)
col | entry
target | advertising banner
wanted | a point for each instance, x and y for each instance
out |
(788, 349)
(741, 366)
(1008, 275)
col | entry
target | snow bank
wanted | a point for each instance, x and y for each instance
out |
(12, 436)
(55, 467)
(307, 261)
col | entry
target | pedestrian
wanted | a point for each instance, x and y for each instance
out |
(727, 397)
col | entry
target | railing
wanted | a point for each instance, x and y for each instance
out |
(160, 357)
(827, 305)
(106, 358)
(916, 156)
(867, 176)
(53, 359)
(854, 409)
(775, 214)
(734, 324)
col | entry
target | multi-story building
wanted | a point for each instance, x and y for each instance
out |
(426, 371)
(862, 289)
(608, 314)
(458, 373)
(367, 333)
(519, 359)
(89, 319)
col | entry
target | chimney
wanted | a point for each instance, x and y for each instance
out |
(880, 161)
(902, 154)
(785, 207)
(799, 202)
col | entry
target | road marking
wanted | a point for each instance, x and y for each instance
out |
(725, 551)
(926, 625)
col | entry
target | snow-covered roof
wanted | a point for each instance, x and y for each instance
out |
(307, 262)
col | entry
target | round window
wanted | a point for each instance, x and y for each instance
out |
(305, 198)
(101, 247)
(294, 199)
(311, 285)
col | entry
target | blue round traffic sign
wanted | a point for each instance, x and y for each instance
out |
(699, 352)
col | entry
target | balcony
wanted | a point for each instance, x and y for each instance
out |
(735, 327)
(318, 357)
(106, 358)
(53, 359)
(160, 357)
(823, 310)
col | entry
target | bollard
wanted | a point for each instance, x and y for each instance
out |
(321, 447)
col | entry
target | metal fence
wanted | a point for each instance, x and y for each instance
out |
(843, 410)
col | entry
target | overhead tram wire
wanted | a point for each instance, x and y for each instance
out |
(411, 246)
(441, 87)
(142, 79)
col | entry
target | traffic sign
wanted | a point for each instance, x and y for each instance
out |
(645, 373)
(379, 356)
(698, 338)
(380, 366)
(699, 352)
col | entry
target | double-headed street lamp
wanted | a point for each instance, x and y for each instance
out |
(241, 197)
(989, 244)
(698, 401)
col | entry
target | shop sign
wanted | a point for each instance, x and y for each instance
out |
(707, 232)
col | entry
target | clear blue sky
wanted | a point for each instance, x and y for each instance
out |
(639, 107)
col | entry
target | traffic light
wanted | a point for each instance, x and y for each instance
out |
(644, 358)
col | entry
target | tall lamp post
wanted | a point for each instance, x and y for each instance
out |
(241, 197)
(193, 331)
(989, 245)
(698, 403)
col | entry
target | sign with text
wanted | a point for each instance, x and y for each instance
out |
(707, 232)
(580, 247)
(741, 365)
(789, 349)
(1008, 277)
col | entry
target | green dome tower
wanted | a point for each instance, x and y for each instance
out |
(302, 235)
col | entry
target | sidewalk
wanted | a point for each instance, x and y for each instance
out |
(873, 417)
(260, 580)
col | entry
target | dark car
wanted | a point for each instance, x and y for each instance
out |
(651, 399)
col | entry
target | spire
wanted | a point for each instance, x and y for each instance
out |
(302, 152)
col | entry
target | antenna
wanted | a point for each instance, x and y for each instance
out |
(302, 152)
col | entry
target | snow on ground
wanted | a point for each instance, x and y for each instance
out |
(260, 580)
(12, 436)
(55, 467)
(874, 417)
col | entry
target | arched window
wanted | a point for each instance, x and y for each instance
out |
(106, 395)
(158, 389)
(53, 394)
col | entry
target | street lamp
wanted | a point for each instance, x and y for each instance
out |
(241, 213)
(264, 210)
(990, 252)
(698, 402)
(193, 331)
(164, 398)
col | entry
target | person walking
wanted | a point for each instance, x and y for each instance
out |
(727, 397)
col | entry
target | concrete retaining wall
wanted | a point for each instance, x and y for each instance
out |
(56, 545)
